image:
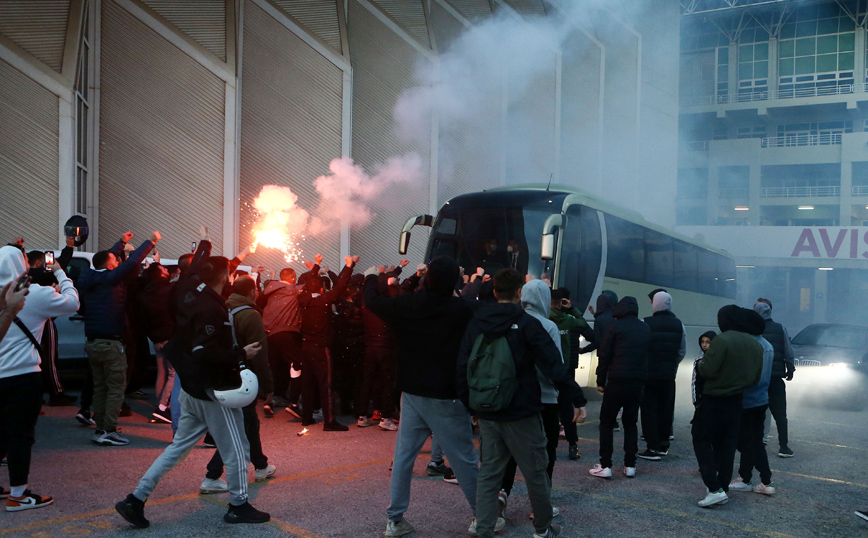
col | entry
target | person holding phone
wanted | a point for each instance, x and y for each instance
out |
(20, 381)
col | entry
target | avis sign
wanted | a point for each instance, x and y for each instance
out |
(840, 243)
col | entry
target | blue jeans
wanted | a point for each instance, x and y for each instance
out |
(449, 421)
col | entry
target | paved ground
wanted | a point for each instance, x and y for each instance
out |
(336, 485)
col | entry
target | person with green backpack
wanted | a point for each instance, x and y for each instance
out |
(497, 379)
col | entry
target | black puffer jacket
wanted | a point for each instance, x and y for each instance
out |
(625, 346)
(667, 333)
(603, 319)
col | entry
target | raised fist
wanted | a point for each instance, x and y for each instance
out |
(155, 236)
(127, 237)
(317, 259)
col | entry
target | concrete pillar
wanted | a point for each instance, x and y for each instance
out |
(754, 194)
(773, 67)
(733, 72)
(821, 293)
(859, 60)
(712, 209)
(846, 205)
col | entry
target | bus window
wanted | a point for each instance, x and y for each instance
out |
(581, 254)
(726, 270)
(684, 266)
(658, 259)
(626, 250)
(708, 275)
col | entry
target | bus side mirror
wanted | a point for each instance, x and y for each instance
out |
(547, 252)
(404, 243)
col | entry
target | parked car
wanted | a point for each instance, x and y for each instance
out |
(831, 366)
(831, 344)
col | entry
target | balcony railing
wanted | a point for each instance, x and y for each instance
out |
(800, 192)
(733, 193)
(859, 190)
(698, 145)
(842, 89)
(827, 139)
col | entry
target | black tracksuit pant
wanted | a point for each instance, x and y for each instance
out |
(715, 437)
(317, 380)
(284, 349)
(378, 381)
(778, 407)
(20, 402)
(50, 379)
(657, 410)
(551, 426)
(251, 430)
(627, 394)
(751, 447)
(565, 409)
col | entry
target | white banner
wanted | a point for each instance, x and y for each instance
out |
(819, 242)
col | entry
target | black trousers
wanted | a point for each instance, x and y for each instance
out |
(627, 394)
(378, 381)
(778, 407)
(317, 381)
(284, 349)
(20, 402)
(751, 447)
(657, 410)
(715, 437)
(50, 379)
(251, 430)
(565, 409)
(552, 428)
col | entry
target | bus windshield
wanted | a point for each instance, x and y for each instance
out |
(495, 236)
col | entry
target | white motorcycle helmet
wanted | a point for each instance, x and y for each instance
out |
(242, 395)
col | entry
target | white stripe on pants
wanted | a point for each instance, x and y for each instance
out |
(226, 426)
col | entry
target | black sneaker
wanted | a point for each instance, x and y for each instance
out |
(85, 417)
(334, 426)
(133, 510)
(125, 410)
(650, 455)
(293, 410)
(863, 514)
(574, 453)
(138, 394)
(245, 513)
(785, 452)
(436, 468)
(208, 441)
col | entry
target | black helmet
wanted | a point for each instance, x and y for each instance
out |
(77, 227)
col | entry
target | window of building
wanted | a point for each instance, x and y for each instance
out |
(816, 52)
(751, 132)
(83, 120)
(753, 67)
(722, 71)
(719, 133)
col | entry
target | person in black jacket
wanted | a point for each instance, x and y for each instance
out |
(621, 374)
(668, 347)
(783, 368)
(158, 326)
(316, 334)
(516, 431)
(204, 356)
(603, 318)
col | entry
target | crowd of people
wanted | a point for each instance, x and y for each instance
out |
(439, 353)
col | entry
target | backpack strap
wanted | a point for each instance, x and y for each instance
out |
(232, 322)
(29, 335)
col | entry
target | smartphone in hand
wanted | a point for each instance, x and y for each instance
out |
(49, 258)
(22, 283)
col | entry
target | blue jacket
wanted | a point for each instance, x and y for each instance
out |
(104, 294)
(758, 395)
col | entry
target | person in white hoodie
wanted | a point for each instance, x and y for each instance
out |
(20, 380)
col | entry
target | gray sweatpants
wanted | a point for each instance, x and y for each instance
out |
(226, 427)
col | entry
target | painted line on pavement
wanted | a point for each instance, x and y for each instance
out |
(829, 444)
(276, 523)
(822, 478)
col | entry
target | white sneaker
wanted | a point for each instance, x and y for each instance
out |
(398, 528)
(364, 422)
(388, 425)
(501, 523)
(630, 472)
(555, 513)
(764, 489)
(739, 485)
(105, 438)
(711, 499)
(264, 474)
(600, 471)
(213, 486)
(502, 501)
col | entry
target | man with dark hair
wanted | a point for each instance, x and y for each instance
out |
(428, 326)
(203, 353)
(783, 368)
(104, 296)
(158, 325)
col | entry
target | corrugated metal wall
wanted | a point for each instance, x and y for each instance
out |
(291, 107)
(28, 159)
(161, 138)
(472, 9)
(410, 15)
(37, 26)
(203, 20)
(383, 66)
(318, 16)
(527, 7)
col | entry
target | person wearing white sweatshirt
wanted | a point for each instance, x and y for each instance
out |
(20, 381)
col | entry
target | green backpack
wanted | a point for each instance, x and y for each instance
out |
(491, 374)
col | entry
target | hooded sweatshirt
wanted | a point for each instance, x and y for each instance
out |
(18, 355)
(625, 346)
(536, 298)
(775, 333)
(735, 359)
(603, 319)
(668, 339)
(569, 322)
(758, 395)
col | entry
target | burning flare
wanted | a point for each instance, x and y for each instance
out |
(280, 222)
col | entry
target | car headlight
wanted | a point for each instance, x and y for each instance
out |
(839, 365)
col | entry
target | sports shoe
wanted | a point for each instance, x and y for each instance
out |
(555, 512)
(208, 441)
(502, 501)
(376, 417)
(264, 474)
(61, 400)
(600, 471)
(398, 528)
(630, 472)
(245, 513)
(334, 426)
(785, 452)
(133, 510)
(764, 489)
(364, 422)
(671, 437)
(449, 477)
(552, 532)
(268, 411)
(279, 401)
(164, 416)
(388, 425)
(574, 453)
(739, 485)
(4, 493)
(293, 410)
(711, 499)
(85, 418)
(617, 427)
(436, 468)
(498, 526)
(862, 513)
(650, 455)
(27, 501)
(4, 462)
(213, 485)
(105, 438)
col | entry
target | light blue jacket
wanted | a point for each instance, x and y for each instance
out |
(758, 394)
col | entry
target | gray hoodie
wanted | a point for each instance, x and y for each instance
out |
(536, 299)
